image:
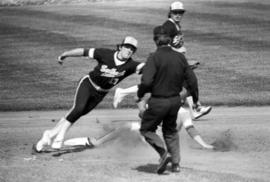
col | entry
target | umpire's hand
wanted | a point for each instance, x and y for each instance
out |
(142, 107)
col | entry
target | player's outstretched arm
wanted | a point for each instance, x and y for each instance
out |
(193, 133)
(78, 52)
(184, 119)
(200, 141)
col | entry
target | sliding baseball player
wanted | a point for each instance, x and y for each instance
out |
(184, 120)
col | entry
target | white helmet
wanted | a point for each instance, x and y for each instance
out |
(177, 6)
(130, 41)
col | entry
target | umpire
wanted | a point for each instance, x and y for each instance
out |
(163, 76)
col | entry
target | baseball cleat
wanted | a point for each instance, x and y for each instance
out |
(175, 168)
(45, 140)
(201, 111)
(163, 163)
(35, 150)
(89, 143)
(118, 97)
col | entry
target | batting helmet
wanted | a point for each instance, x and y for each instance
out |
(177, 7)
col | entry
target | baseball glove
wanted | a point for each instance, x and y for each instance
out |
(193, 64)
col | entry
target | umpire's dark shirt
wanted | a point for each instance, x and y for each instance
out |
(164, 74)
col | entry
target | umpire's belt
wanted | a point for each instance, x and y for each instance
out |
(98, 88)
(164, 96)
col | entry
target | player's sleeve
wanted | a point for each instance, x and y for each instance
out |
(89, 52)
(96, 53)
(135, 67)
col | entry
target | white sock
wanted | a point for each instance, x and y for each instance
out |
(65, 125)
(54, 131)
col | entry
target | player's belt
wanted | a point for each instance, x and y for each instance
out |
(98, 88)
(164, 96)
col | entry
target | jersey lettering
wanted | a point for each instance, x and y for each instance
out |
(107, 72)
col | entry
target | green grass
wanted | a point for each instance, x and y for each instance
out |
(231, 40)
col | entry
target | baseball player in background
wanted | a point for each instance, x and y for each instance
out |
(173, 27)
(113, 66)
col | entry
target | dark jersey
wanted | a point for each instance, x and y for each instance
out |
(175, 32)
(107, 74)
(164, 74)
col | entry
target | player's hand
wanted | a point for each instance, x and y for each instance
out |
(210, 147)
(60, 59)
(142, 107)
(183, 95)
(141, 114)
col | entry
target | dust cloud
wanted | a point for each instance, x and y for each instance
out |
(224, 142)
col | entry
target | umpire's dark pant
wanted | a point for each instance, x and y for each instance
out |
(162, 109)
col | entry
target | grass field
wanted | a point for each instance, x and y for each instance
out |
(230, 39)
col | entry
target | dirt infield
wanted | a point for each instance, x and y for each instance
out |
(245, 130)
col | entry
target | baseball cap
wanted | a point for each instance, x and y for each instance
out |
(160, 30)
(161, 36)
(130, 41)
(177, 6)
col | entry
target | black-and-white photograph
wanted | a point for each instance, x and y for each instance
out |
(134, 90)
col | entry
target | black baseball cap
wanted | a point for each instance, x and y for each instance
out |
(160, 30)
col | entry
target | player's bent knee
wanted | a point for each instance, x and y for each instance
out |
(184, 118)
(183, 114)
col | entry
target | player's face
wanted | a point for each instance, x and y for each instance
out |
(126, 51)
(177, 15)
